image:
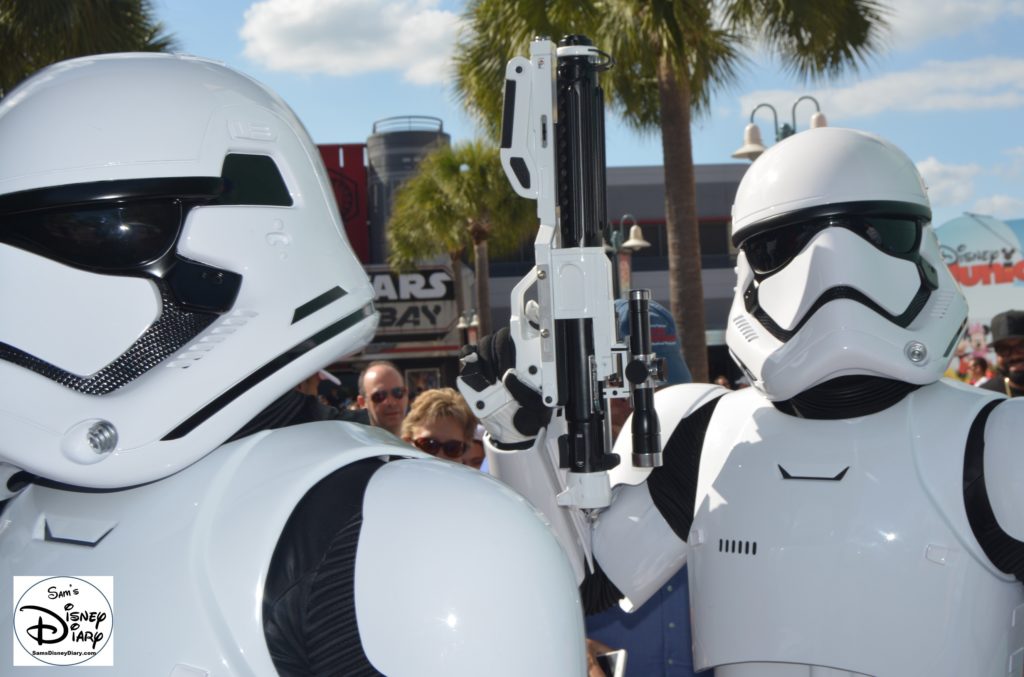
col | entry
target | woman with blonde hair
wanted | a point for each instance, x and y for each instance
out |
(441, 424)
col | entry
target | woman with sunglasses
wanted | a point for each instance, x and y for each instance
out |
(441, 424)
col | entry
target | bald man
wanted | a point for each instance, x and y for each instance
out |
(383, 394)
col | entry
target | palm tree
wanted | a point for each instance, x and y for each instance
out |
(672, 55)
(458, 199)
(36, 33)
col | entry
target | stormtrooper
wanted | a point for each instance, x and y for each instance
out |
(171, 262)
(850, 514)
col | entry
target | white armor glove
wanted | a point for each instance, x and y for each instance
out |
(511, 411)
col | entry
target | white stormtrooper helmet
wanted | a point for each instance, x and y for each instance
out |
(838, 271)
(171, 261)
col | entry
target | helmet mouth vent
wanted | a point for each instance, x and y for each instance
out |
(943, 301)
(745, 329)
(174, 328)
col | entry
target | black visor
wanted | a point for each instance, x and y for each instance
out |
(104, 226)
(126, 228)
(770, 251)
(99, 237)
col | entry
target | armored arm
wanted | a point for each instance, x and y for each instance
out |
(640, 541)
(1004, 465)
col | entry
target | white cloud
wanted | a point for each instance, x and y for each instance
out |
(352, 37)
(952, 185)
(1000, 206)
(948, 185)
(977, 84)
(914, 22)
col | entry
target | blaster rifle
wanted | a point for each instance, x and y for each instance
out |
(552, 149)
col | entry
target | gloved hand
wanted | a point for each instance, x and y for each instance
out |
(511, 411)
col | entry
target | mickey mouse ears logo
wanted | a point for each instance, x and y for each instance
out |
(63, 620)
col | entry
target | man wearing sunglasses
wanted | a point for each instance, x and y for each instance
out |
(383, 394)
(1008, 342)
(852, 513)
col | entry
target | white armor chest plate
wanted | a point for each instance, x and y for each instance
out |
(845, 544)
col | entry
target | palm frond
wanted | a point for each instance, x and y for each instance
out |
(458, 195)
(36, 33)
(815, 40)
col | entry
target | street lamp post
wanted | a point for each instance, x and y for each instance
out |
(622, 252)
(474, 329)
(753, 146)
(469, 327)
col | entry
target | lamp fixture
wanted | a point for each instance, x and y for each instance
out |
(636, 240)
(753, 146)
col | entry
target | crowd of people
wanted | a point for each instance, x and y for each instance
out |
(437, 421)
(1006, 373)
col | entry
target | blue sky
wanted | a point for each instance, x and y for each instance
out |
(949, 89)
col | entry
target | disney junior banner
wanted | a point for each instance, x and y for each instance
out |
(984, 255)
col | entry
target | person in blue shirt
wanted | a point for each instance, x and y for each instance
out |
(657, 636)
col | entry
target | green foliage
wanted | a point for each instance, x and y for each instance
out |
(458, 197)
(700, 52)
(636, 35)
(706, 43)
(812, 39)
(36, 33)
